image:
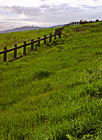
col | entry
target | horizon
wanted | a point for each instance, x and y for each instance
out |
(46, 13)
(16, 29)
(21, 28)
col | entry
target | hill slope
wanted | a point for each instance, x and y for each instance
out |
(56, 92)
(27, 28)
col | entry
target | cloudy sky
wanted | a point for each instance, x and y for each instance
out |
(17, 13)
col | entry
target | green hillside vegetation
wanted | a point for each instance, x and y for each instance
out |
(54, 93)
(8, 39)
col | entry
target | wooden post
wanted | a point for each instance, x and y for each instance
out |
(39, 41)
(60, 34)
(44, 39)
(50, 39)
(32, 44)
(55, 36)
(15, 51)
(5, 54)
(24, 50)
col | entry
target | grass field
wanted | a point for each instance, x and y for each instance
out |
(54, 93)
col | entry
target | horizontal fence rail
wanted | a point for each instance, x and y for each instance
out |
(27, 44)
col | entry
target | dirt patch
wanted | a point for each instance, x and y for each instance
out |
(84, 27)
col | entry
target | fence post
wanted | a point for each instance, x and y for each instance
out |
(55, 36)
(32, 44)
(44, 39)
(24, 49)
(5, 54)
(60, 34)
(50, 39)
(39, 41)
(15, 51)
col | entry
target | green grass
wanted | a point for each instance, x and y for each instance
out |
(9, 39)
(54, 93)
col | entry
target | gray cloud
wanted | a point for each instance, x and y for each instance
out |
(90, 7)
(47, 15)
(25, 10)
(45, 6)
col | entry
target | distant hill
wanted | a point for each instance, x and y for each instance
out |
(26, 28)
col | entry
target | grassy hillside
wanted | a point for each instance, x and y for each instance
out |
(56, 92)
(8, 39)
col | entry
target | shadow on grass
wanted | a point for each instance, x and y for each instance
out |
(41, 75)
(93, 92)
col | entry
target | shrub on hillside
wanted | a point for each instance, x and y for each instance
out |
(97, 20)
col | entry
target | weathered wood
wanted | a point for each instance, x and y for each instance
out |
(16, 58)
(32, 44)
(27, 44)
(59, 34)
(58, 30)
(50, 38)
(55, 36)
(2, 52)
(39, 41)
(24, 49)
(5, 54)
(15, 50)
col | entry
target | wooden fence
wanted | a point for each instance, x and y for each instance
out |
(25, 45)
(82, 22)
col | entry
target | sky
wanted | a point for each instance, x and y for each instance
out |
(45, 13)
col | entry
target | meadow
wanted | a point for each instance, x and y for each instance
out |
(54, 93)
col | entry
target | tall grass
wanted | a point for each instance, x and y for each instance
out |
(56, 92)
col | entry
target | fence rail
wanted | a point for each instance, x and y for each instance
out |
(57, 32)
(27, 44)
